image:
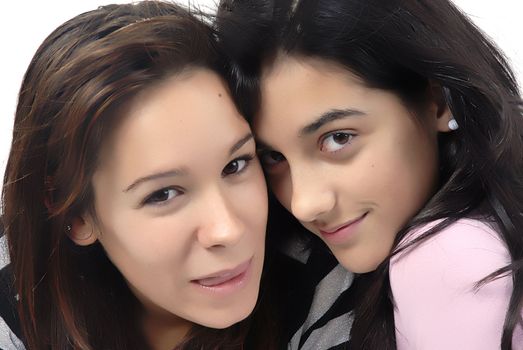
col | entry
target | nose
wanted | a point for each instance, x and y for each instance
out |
(311, 196)
(222, 225)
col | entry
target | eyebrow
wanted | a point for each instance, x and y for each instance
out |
(327, 117)
(182, 171)
(240, 143)
(163, 174)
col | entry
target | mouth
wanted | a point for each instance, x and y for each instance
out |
(340, 233)
(225, 279)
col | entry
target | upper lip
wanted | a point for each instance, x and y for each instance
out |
(227, 273)
(337, 228)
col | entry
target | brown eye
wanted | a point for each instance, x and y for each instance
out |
(340, 138)
(161, 196)
(236, 166)
(335, 141)
(271, 158)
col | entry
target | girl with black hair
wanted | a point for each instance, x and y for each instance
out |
(393, 131)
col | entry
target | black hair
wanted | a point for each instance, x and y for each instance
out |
(405, 46)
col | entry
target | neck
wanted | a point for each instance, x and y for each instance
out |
(164, 331)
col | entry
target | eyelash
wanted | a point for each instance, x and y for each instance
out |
(247, 158)
(350, 136)
(149, 199)
(264, 153)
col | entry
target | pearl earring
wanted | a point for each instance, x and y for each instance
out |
(453, 124)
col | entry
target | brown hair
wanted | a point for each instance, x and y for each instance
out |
(77, 84)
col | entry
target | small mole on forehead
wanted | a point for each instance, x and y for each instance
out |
(219, 95)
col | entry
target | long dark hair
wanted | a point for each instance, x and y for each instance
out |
(72, 96)
(403, 46)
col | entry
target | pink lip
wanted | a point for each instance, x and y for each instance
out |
(225, 281)
(342, 233)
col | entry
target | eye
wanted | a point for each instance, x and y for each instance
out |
(335, 141)
(162, 196)
(237, 166)
(271, 158)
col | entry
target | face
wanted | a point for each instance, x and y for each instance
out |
(181, 203)
(353, 164)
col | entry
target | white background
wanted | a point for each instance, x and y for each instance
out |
(25, 24)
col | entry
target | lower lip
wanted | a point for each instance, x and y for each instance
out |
(343, 234)
(230, 286)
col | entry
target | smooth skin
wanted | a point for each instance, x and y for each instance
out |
(340, 154)
(180, 201)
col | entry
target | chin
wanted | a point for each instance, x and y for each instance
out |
(227, 318)
(360, 266)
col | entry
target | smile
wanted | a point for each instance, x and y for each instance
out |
(225, 281)
(341, 234)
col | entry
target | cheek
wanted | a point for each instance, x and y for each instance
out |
(152, 258)
(140, 243)
(402, 175)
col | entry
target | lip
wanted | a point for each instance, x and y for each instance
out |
(225, 281)
(341, 234)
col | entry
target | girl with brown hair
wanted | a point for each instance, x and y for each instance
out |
(134, 206)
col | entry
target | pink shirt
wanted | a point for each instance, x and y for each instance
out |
(432, 286)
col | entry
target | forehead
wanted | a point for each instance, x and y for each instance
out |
(175, 122)
(297, 89)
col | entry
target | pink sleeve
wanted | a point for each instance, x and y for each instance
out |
(432, 286)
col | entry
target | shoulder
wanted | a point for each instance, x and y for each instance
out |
(470, 249)
(433, 287)
(320, 302)
(8, 339)
(4, 255)
(9, 326)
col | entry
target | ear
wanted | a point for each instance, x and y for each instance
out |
(83, 230)
(443, 121)
(439, 111)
